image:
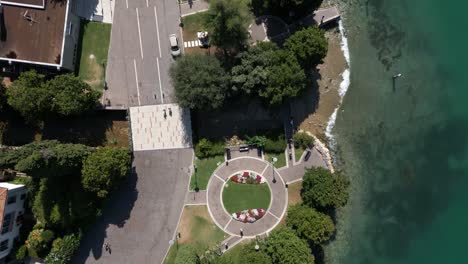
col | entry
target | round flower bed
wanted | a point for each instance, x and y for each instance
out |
(249, 216)
(248, 178)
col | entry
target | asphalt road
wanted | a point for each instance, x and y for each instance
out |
(139, 55)
(142, 216)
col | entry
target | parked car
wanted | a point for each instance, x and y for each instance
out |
(174, 41)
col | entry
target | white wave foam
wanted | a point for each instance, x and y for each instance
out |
(344, 85)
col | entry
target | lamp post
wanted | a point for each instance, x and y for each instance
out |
(273, 161)
(196, 180)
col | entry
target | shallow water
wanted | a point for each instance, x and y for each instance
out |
(404, 143)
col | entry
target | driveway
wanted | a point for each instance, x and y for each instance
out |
(143, 215)
(139, 55)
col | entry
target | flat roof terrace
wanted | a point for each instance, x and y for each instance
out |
(27, 3)
(34, 35)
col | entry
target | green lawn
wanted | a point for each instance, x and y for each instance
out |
(238, 196)
(280, 156)
(298, 153)
(205, 167)
(193, 24)
(197, 229)
(93, 48)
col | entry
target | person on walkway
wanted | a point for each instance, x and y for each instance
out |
(242, 232)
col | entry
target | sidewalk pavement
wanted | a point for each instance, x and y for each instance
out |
(193, 7)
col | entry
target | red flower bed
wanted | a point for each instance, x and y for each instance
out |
(249, 216)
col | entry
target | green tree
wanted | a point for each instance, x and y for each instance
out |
(250, 255)
(29, 96)
(63, 249)
(3, 97)
(283, 6)
(270, 73)
(104, 169)
(324, 190)
(286, 79)
(284, 246)
(227, 24)
(187, 255)
(309, 45)
(199, 81)
(252, 73)
(310, 224)
(303, 140)
(72, 96)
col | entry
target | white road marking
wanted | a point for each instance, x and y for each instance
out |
(146, 3)
(157, 31)
(274, 215)
(216, 175)
(136, 78)
(126, 1)
(139, 33)
(159, 77)
(227, 224)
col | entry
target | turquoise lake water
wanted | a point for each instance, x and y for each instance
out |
(404, 145)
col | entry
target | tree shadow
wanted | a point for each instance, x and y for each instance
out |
(116, 212)
(89, 129)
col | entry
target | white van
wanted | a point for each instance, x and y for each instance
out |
(175, 50)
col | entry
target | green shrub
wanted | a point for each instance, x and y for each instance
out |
(310, 224)
(187, 255)
(206, 148)
(303, 140)
(324, 190)
(22, 252)
(63, 249)
(258, 141)
(275, 144)
(39, 241)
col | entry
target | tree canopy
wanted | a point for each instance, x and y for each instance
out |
(199, 81)
(286, 79)
(71, 96)
(33, 97)
(323, 189)
(283, 6)
(310, 224)
(29, 96)
(104, 169)
(269, 73)
(284, 246)
(227, 23)
(308, 45)
(251, 74)
(250, 255)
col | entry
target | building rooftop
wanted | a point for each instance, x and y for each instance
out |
(10, 186)
(32, 34)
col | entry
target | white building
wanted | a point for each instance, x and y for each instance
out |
(12, 197)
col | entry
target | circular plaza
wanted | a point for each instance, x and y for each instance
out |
(246, 195)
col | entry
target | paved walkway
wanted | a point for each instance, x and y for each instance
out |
(193, 7)
(164, 126)
(195, 198)
(296, 172)
(278, 203)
